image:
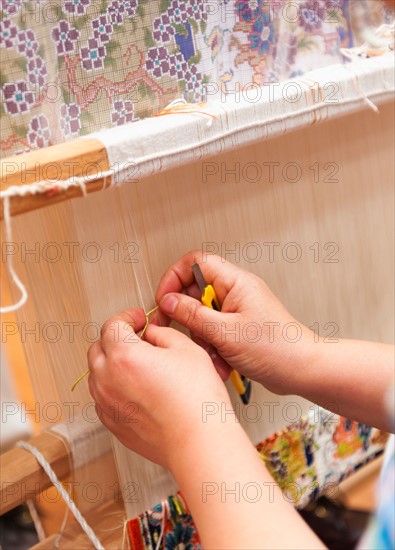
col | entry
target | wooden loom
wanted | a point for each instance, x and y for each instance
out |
(337, 210)
(362, 145)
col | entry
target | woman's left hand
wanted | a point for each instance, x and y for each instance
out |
(150, 393)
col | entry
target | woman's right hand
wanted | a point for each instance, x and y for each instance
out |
(253, 333)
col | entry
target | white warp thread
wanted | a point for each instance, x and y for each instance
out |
(66, 497)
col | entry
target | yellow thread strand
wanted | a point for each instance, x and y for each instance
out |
(147, 318)
(79, 379)
(186, 108)
(151, 311)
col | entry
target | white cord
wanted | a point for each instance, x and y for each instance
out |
(66, 497)
(22, 190)
(15, 278)
(44, 186)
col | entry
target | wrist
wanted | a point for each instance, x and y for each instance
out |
(307, 361)
(286, 363)
(212, 434)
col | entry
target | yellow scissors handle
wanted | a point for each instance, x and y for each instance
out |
(209, 298)
(241, 384)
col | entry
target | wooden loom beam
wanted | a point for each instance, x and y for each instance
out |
(22, 477)
(81, 157)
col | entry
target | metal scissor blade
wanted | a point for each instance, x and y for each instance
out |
(199, 277)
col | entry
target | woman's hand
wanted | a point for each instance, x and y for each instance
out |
(253, 333)
(150, 393)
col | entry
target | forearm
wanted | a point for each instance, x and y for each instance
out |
(234, 501)
(351, 378)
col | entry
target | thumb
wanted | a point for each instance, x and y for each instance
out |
(192, 314)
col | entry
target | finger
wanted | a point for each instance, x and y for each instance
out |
(107, 417)
(121, 329)
(193, 291)
(221, 366)
(159, 318)
(92, 387)
(217, 272)
(164, 320)
(208, 348)
(97, 365)
(166, 337)
(134, 317)
(205, 322)
(96, 357)
(129, 439)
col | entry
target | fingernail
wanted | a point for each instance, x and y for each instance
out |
(169, 303)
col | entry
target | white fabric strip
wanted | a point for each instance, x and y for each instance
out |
(140, 149)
